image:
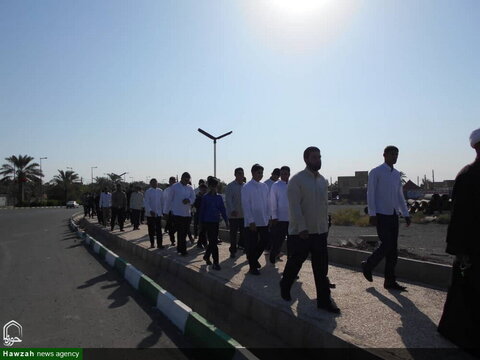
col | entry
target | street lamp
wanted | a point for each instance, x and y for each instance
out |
(91, 169)
(214, 147)
(41, 176)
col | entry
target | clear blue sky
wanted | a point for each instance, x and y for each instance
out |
(124, 85)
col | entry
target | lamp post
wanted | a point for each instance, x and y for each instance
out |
(214, 147)
(41, 176)
(91, 171)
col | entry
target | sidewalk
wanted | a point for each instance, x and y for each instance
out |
(371, 317)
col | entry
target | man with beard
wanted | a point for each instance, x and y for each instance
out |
(461, 313)
(308, 229)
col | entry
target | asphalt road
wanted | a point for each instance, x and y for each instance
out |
(63, 296)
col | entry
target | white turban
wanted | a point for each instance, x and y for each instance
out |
(474, 137)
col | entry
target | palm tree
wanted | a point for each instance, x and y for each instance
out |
(65, 179)
(403, 177)
(21, 170)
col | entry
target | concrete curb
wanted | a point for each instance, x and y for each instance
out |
(30, 207)
(196, 328)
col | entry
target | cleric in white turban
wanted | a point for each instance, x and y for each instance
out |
(461, 313)
(475, 137)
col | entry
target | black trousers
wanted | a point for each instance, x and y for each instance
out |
(181, 224)
(236, 226)
(170, 227)
(195, 224)
(278, 233)
(212, 236)
(135, 218)
(202, 236)
(387, 230)
(155, 229)
(256, 242)
(316, 246)
(117, 214)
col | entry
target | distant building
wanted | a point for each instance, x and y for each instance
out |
(444, 187)
(353, 188)
(412, 191)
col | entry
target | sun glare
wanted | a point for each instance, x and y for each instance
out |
(298, 8)
(298, 25)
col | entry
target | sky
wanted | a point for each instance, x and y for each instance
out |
(123, 86)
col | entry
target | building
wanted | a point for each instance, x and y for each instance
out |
(353, 188)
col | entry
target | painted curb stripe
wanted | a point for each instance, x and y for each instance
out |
(120, 265)
(174, 309)
(149, 288)
(110, 258)
(207, 335)
(132, 275)
(96, 247)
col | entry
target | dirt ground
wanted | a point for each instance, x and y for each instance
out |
(419, 241)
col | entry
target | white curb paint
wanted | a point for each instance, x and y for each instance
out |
(110, 258)
(96, 247)
(174, 309)
(132, 275)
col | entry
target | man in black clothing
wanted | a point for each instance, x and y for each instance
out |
(461, 313)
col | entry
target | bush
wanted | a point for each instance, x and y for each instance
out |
(349, 217)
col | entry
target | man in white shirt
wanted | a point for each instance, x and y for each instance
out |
(153, 202)
(105, 205)
(273, 178)
(308, 229)
(169, 226)
(136, 204)
(179, 201)
(385, 199)
(233, 197)
(256, 214)
(279, 209)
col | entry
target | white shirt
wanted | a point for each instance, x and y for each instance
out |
(307, 203)
(153, 201)
(177, 193)
(233, 197)
(105, 200)
(136, 200)
(255, 203)
(384, 193)
(269, 183)
(279, 201)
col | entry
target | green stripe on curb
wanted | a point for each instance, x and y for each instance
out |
(102, 252)
(149, 288)
(120, 265)
(206, 335)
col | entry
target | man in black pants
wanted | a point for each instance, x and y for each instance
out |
(153, 203)
(119, 206)
(179, 201)
(308, 229)
(385, 199)
(256, 213)
(169, 226)
(279, 208)
(233, 199)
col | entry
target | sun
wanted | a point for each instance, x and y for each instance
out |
(298, 9)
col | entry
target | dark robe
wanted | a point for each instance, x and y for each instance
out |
(460, 322)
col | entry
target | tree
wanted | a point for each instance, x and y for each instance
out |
(22, 171)
(403, 177)
(65, 179)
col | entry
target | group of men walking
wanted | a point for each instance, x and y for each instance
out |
(261, 215)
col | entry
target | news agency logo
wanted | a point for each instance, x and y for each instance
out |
(12, 333)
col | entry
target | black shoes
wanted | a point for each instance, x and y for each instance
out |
(328, 306)
(366, 271)
(254, 272)
(207, 260)
(160, 246)
(285, 293)
(216, 267)
(257, 265)
(393, 285)
(232, 256)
